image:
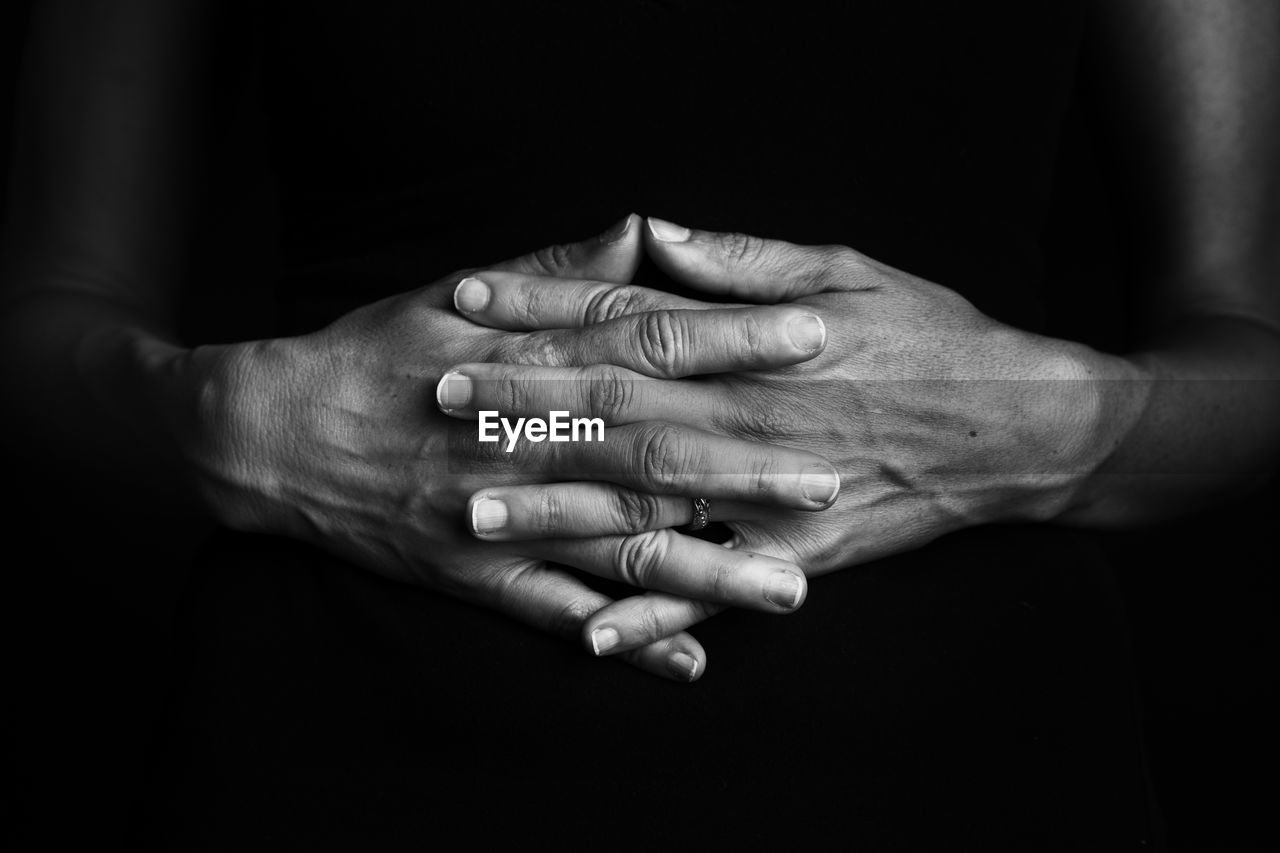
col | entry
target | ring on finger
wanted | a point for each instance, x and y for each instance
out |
(701, 514)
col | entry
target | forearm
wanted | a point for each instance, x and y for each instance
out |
(95, 385)
(1189, 421)
(1191, 121)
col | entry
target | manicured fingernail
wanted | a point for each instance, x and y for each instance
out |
(783, 589)
(453, 391)
(668, 232)
(603, 639)
(819, 484)
(683, 666)
(618, 231)
(471, 295)
(808, 332)
(488, 515)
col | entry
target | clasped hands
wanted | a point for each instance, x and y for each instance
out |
(834, 410)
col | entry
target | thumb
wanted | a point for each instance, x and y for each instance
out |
(744, 267)
(610, 257)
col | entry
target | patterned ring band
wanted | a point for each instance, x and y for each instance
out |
(701, 514)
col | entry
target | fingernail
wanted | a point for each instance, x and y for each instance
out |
(668, 232)
(617, 232)
(808, 332)
(603, 639)
(453, 391)
(488, 515)
(819, 484)
(471, 295)
(683, 666)
(783, 589)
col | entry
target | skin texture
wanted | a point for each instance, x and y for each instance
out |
(333, 438)
(260, 436)
(1058, 432)
(936, 416)
(330, 437)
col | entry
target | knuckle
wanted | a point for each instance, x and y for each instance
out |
(522, 302)
(720, 584)
(640, 556)
(465, 589)
(500, 590)
(752, 332)
(460, 444)
(508, 348)
(849, 268)
(484, 454)
(759, 414)
(814, 267)
(512, 396)
(548, 514)
(650, 624)
(544, 349)
(416, 310)
(843, 256)
(610, 303)
(553, 259)
(487, 454)
(741, 248)
(662, 456)
(764, 476)
(663, 339)
(609, 394)
(637, 511)
(835, 260)
(569, 619)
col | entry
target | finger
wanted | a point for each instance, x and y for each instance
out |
(614, 394)
(678, 657)
(670, 459)
(628, 626)
(580, 510)
(672, 343)
(611, 257)
(558, 603)
(520, 303)
(667, 561)
(651, 456)
(819, 552)
(750, 268)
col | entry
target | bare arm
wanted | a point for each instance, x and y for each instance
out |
(1195, 120)
(105, 172)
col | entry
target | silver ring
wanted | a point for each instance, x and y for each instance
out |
(701, 514)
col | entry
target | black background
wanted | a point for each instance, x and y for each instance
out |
(91, 661)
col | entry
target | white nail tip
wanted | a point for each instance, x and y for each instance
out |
(668, 232)
(440, 392)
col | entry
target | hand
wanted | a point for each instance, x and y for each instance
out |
(333, 438)
(936, 416)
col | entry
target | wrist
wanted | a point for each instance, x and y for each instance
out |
(125, 388)
(219, 413)
(1093, 401)
(130, 375)
(192, 408)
